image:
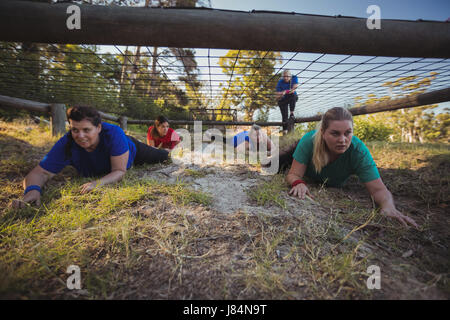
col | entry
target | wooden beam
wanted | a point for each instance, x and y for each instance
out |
(24, 104)
(210, 122)
(27, 21)
(109, 116)
(410, 101)
(414, 100)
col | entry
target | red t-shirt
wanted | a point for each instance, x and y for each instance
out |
(169, 141)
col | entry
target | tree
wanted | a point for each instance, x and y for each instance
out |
(253, 83)
(418, 124)
(133, 83)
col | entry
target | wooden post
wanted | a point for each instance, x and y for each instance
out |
(58, 116)
(291, 124)
(123, 122)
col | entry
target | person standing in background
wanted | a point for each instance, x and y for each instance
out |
(287, 96)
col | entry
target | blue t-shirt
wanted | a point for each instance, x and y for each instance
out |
(240, 138)
(113, 142)
(355, 160)
(283, 86)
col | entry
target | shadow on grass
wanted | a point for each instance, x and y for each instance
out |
(428, 186)
(16, 157)
(422, 194)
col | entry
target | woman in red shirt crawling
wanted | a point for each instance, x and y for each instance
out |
(161, 136)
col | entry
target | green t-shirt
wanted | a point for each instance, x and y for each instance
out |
(355, 160)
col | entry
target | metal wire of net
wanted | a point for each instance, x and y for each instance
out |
(102, 75)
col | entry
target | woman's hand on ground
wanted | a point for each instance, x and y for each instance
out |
(394, 213)
(28, 198)
(88, 187)
(300, 191)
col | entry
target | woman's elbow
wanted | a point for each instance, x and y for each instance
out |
(120, 173)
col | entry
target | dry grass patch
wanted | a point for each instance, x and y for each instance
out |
(150, 239)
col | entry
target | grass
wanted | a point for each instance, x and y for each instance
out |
(147, 238)
(429, 163)
(269, 193)
(37, 242)
(194, 173)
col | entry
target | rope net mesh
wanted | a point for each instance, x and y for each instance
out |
(194, 78)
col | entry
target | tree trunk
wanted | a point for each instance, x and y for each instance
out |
(124, 69)
(135, 69)
(153, 91)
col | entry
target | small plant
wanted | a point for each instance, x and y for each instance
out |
(270, 192)
(194, 173)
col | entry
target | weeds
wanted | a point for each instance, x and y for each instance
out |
(146, 238)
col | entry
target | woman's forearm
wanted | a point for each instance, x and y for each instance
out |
(291, 177)
(37, 176)
(279, 94)
(112, 177)
(384, 199)
(296, 172)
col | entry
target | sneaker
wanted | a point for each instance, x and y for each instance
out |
(292, 117)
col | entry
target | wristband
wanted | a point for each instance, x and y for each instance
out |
(32, 187)
(296, 182)
(286, 92)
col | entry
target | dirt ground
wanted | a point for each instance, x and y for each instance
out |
(395, 250)
(253, 241)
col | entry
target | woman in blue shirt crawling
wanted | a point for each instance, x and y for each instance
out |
(331, 154)
(94, 148)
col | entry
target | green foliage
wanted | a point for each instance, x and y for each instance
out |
(251, 89)
(82, 75)
(418, 124)
(303, 128)
(368, 128)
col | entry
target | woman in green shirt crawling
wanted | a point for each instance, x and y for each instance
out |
(331, 154)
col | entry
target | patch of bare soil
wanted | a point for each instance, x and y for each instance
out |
(286, 248)
(225, 258)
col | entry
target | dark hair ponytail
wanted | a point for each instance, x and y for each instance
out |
(160, 120)
(79, 113)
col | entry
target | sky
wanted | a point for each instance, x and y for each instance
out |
(437, 10)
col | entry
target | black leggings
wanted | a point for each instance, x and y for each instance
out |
(148, 154)
(285, 157)
(287, 100)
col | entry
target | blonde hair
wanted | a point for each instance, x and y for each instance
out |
(320, 156)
